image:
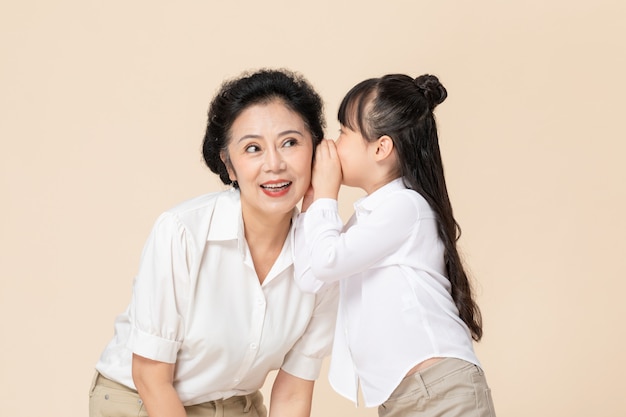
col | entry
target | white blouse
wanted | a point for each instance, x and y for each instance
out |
(197, 302)
(395, 307)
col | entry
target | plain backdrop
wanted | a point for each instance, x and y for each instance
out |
(102, 113)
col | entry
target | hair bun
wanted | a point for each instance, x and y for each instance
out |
(432, 89)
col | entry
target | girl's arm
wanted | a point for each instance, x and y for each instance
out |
(155, 383)
(334, 254)
(325, 183)
(291, 396)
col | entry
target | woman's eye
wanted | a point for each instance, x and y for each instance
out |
(252, 149)
(290, 142)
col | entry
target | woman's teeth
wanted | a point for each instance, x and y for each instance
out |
(276, 186)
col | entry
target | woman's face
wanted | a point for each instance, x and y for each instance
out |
(270, 152)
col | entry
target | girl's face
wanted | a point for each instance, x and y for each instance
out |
(269, 155)
(352, 149)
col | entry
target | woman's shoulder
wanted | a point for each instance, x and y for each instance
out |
(205, 202)
(199, 213)
(212, 216)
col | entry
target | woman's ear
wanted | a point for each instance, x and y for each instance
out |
(384, 148)
(229, 167)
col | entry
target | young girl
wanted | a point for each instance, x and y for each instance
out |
(406, 315)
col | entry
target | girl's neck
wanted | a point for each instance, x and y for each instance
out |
(376, 185)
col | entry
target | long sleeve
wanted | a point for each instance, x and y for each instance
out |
(328, 254)
(328, 214)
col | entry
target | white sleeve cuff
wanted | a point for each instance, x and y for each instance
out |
(153, 347)
(302, 366)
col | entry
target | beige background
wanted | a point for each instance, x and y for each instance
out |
(102, 108)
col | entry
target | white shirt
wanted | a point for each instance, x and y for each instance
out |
(197, 302)
(395, 308)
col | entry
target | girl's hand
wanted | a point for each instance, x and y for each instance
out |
(326, 178)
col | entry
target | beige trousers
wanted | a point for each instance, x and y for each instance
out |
(450, 388)
(110, 399)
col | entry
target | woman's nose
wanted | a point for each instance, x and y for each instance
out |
(274, 160)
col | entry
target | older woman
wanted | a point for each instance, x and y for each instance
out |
(214, 306)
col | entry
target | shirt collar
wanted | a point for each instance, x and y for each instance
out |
(371, 201)
(226, 222)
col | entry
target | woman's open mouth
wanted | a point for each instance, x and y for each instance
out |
(276, 189)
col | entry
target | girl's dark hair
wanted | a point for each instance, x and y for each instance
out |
(401, 107)
(258, 87)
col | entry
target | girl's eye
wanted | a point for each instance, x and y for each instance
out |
(252, 149)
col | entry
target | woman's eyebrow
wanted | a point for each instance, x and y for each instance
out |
(286, 132)
(290, 132)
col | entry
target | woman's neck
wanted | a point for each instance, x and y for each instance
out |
(266, 229)
(266, 237)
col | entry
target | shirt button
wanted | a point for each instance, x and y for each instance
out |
(106, 396)
(252, 346)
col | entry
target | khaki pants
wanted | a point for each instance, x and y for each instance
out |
(450, 388)
(110, 399)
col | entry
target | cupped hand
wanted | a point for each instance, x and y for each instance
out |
(326, 178)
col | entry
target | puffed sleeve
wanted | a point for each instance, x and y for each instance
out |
(304, 360)
(160, 293)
